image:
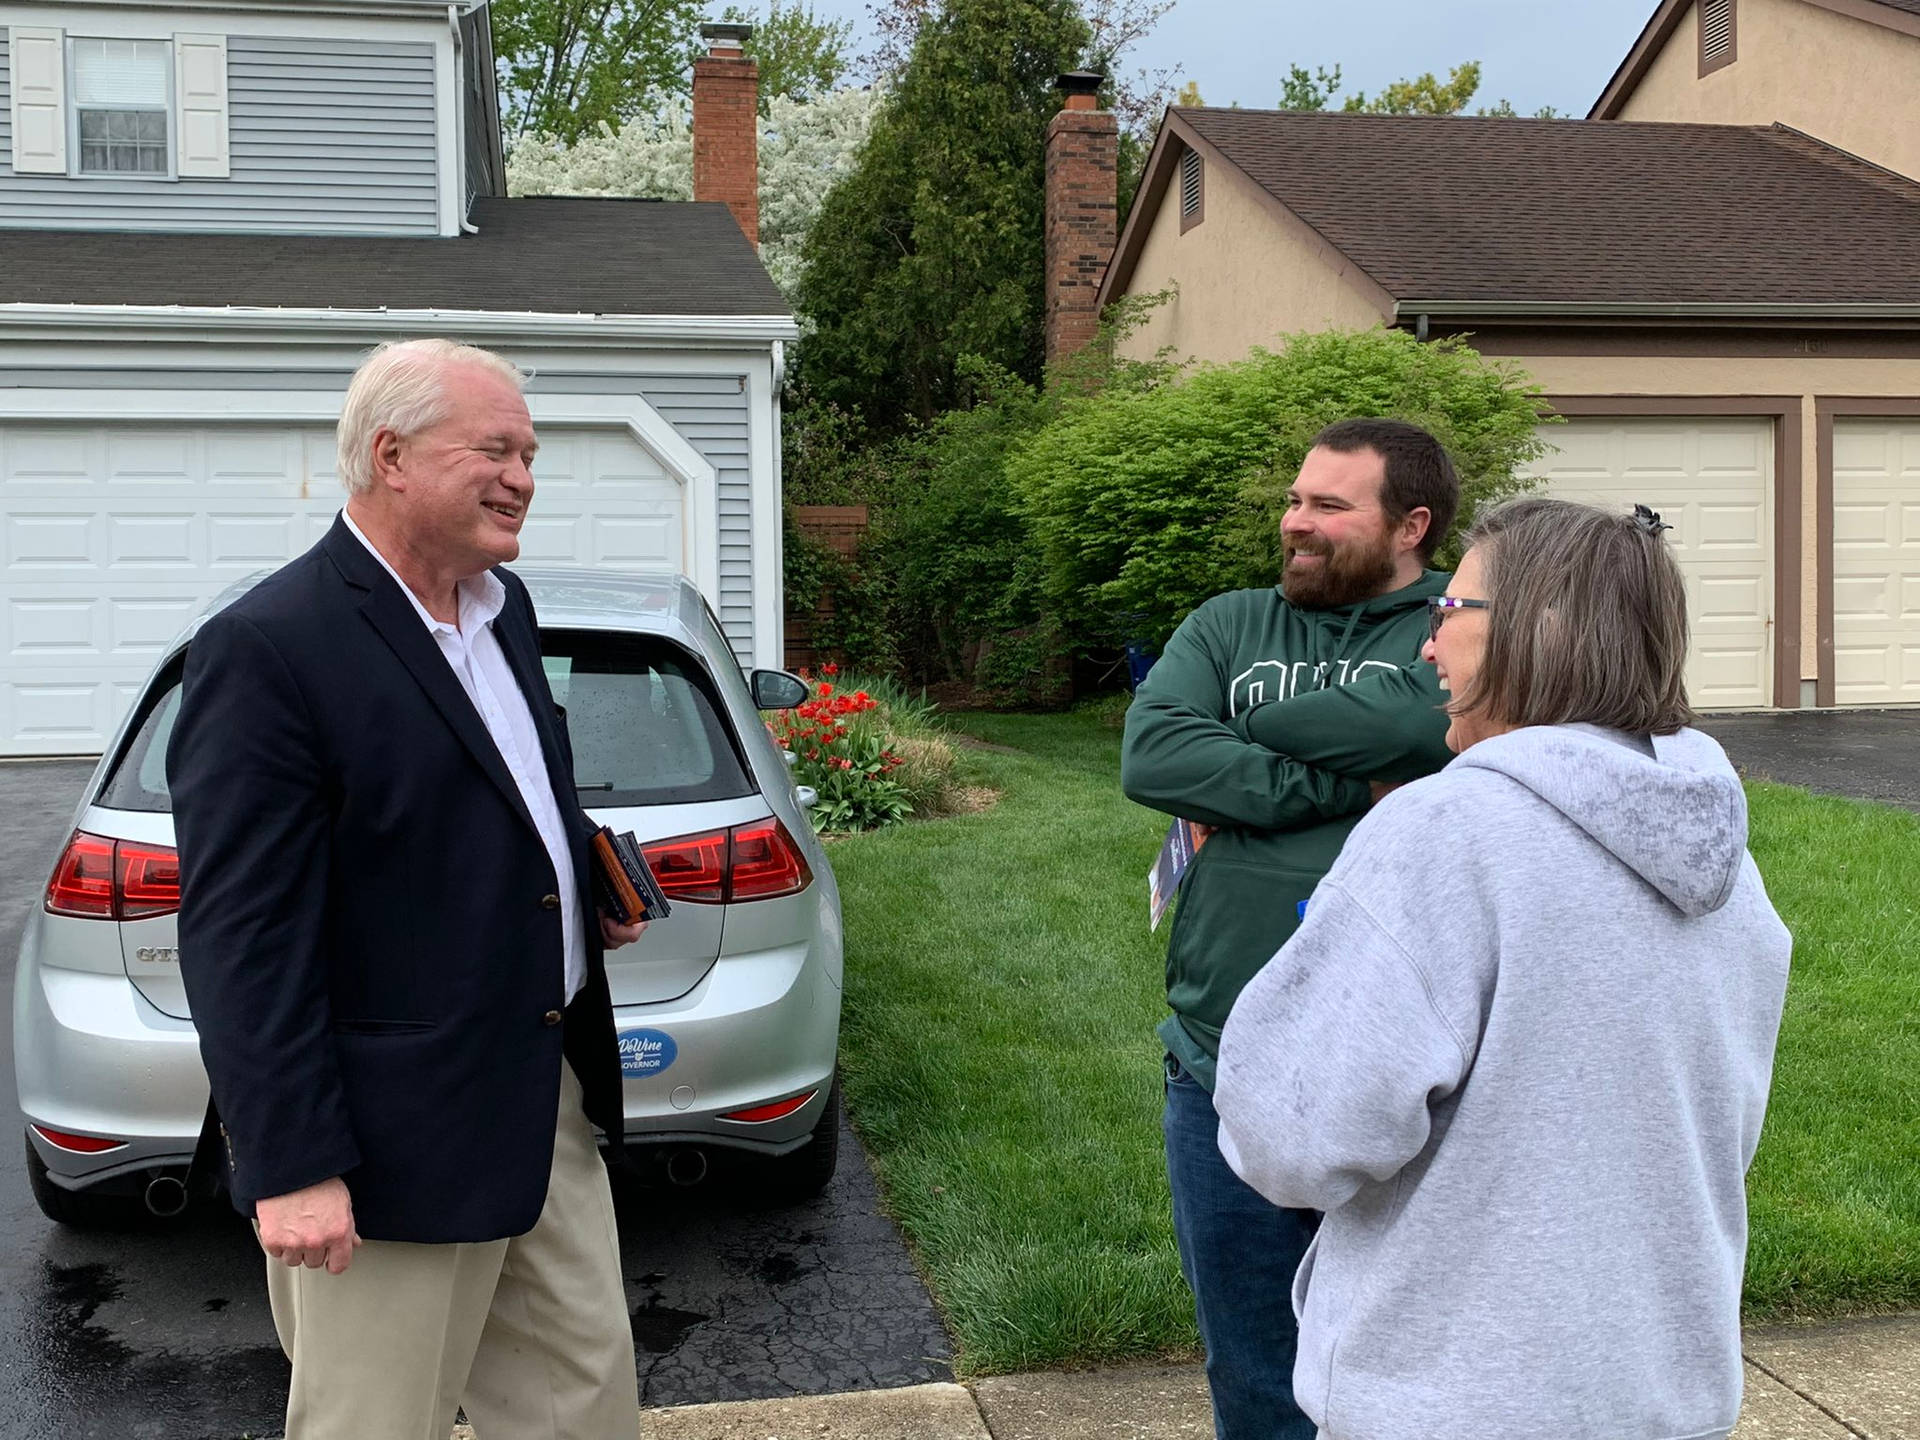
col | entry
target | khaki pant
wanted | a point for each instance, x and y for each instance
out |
(530, 1335)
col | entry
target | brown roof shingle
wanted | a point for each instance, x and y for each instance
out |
(1572, 211)
(549, 254)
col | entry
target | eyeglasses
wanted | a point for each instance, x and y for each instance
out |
(1441, 606)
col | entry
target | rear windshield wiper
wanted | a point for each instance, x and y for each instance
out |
(595, 785)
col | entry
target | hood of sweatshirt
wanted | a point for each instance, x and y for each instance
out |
(1676, 817)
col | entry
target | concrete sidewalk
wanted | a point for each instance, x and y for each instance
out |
(1858, 1378)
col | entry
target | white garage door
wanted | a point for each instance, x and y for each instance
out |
(116, 536)
(1712, 480)
(1876, 562)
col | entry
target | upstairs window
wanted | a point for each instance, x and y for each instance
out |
(136, 109)
(122, 105)
(1717, 35)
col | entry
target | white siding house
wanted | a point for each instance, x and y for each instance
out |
(209, 211)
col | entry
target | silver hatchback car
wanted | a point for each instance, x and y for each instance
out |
(728, 1011)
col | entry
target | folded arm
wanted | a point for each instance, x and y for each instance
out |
(1387, 725)
(1182, 755)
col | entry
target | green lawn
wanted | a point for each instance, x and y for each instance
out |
(1000, 1062)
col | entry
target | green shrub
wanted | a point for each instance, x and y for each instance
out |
(1143, 502)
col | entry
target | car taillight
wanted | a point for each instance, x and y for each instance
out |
(766, 862)
(758, 861)
(77, 1144)
(779, 1110)
(101, 879)
(691, 867)
(82, 882)
(146, 880)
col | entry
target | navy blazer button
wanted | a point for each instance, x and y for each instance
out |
(552, 1017)
(549, 902)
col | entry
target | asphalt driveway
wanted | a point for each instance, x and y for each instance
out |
(163, 1333)
(1867, 754)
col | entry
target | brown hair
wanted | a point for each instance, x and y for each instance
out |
(1587, 620)
(1419, 474)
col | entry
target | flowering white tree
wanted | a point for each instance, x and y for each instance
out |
(805, 146)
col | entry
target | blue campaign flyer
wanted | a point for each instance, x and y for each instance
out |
(1163, 881)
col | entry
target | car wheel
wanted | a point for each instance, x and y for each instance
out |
(75, 1208)
(808, 1170)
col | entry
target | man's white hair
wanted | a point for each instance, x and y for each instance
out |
(402, 386)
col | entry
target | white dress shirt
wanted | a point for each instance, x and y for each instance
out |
(473, 651)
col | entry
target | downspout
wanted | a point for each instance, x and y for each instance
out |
(467, 227)
(780, 498)
(1420, 327)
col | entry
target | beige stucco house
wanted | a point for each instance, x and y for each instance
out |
(1716, 279)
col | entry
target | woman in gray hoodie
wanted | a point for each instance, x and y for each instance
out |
(1519, 1049)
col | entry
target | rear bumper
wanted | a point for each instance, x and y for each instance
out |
(758, 1028)
(92, 1057)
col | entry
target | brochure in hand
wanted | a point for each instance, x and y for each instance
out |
(623, 881)
(1163, 880)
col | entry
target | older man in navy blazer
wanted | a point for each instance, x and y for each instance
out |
(391, 948)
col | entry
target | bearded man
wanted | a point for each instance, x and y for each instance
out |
(1272, 721)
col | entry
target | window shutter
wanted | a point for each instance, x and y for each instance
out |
(39, 100)
(200, 88)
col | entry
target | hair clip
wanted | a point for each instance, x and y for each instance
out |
(1649, 520)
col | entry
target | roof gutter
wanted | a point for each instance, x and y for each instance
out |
(419, 9)
(320, 325)
(1406, 311)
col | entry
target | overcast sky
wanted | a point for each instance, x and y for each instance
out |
(1532, 52)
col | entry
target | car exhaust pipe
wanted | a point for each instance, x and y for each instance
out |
(165, 1196)
(687, 1168)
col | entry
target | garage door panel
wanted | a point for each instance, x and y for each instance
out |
(153, 542)
(37, 628)
(246, 542)
(1738, 526)
(1730, 600)
(1723, 669)
(57, 714)
(1865, 523)
(51, 542)
(114, 538)
(639, 543)
(36, 461)
(1876, 561)
(1864, 597)
(150, 457)
(138, 627)
(1712, 481)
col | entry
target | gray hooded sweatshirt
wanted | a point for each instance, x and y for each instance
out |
(1519, 1051)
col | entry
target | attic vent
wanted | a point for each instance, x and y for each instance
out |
(1716, 34)
(1190, 185)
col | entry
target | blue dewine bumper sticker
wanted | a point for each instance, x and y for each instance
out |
(646, 1052)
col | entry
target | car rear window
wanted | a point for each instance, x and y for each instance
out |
(647, 725)
(138, 779)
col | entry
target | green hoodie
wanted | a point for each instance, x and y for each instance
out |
(1268, 721)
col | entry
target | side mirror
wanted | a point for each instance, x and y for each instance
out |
(777, 690)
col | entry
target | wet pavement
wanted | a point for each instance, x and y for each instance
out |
(161, 1332)
(1868, 754)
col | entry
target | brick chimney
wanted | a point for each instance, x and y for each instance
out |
(1083, 209)
(726, 102)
